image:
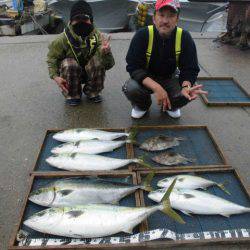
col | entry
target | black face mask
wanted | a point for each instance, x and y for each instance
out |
(82, 29)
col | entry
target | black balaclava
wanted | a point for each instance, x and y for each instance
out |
(80, 12)
(82, 29)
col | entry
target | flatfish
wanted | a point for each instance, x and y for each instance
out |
(160, 142)
(171, 158)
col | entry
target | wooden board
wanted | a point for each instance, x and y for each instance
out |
(44, 176)
(205, 98)
(191, 222)
(199, 144)
(42, 167)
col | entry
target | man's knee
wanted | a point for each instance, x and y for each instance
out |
(70, 64)
(131, 88)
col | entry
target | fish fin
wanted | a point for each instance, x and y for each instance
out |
(222, 187)
(133, 133)
(181, 179)
(147, 182)
(77, 143)
(73, 155)
(226, 215)
(190, 160)
(127, 179)
(186, 212)
(65, 192)
(172, 214)
(145, 164)
(75, 213)
(188, 196)
(167, 206)
(115, 203)
(128, 230)
(181, 138)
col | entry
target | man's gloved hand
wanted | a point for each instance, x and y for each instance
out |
(62, 84)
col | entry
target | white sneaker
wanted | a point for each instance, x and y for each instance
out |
(174, 114)
(137, 113)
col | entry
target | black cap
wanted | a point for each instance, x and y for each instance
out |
(81, 10)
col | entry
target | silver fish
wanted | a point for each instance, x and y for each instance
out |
(95, 220)
(88, 146)
(199, 202)
(160, 142)
(87, 162)
(189, 182)
(78, 134)
(171, 158)
(82, 191)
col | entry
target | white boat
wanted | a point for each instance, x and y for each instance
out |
(109, 15)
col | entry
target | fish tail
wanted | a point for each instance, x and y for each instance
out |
(181, 138)
(222, 187)
(146, 185)
(166, 206)
(247, 210)
(143, 163)
(191, 160)
(134, 142)
(132, 134)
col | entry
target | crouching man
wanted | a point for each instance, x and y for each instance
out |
(154, 55)
(80, 56)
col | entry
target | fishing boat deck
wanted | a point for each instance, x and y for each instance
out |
(31, 104)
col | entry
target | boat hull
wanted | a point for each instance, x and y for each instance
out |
(109, 15)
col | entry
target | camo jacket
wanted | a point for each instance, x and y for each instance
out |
(60, 49)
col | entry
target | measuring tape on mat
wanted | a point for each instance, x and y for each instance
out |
(162, 233)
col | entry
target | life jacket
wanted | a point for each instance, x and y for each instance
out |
(75, 45)
(177, 44)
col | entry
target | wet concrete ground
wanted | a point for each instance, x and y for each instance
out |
(31, 103)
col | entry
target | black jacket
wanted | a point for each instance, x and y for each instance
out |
(162, 62)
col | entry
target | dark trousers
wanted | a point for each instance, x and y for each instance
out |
(92, 76)
(140, 96)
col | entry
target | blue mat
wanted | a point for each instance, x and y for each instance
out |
(50, 143)
(197, 146)
(32, 208)
(224, 91)
(200, 223)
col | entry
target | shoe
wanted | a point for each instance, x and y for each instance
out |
(174, 113)
(73, 101)
(95, 99)
(137, 113)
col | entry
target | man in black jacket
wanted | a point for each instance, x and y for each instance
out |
(155, 55)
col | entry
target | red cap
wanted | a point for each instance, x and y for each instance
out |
(175, 4)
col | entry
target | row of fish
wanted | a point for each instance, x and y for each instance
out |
(87, 207)
(73, 136)
(91, 162)
(96, 220)
(190, 201)
(90, 141)
(82, 191)
(79, 153)
(89, 190)
(74, 214)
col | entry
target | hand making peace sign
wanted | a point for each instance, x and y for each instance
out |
(105, 46)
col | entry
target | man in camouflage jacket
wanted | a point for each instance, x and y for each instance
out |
(80, 55)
